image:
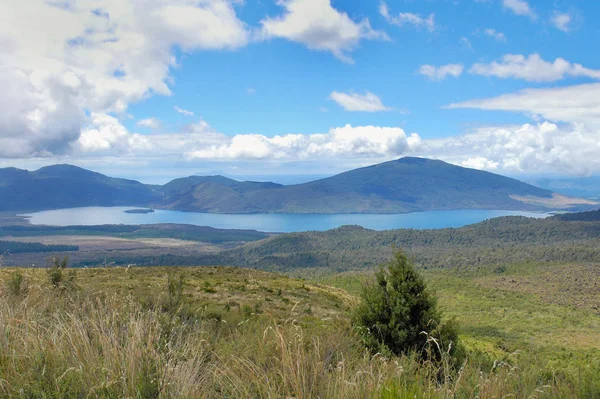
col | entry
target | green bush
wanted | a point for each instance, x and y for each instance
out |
(56, 275)
(398, 315)
(175, 295)
(16, 284)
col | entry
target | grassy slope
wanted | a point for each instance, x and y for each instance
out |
(548, 311)
(259, 351)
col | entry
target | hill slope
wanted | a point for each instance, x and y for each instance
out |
(66, 186)
(404, 185)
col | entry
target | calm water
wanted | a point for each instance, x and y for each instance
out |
(284, 223)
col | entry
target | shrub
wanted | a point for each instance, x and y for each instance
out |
(174, 292)
(56, 276)
(16, 284)
(398, 315)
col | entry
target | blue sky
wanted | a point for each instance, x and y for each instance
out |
(154, 90)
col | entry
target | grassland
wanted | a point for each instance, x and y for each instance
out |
(243, 333)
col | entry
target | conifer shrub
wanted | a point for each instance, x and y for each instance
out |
(398, 315)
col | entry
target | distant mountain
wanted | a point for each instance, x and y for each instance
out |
(585, 187)
(404, 185)
(66, 186)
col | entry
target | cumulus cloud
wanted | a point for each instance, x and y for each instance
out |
(151, 123)
(519, 7)
(529, 148)
(367, 102)
(533, 68)
(493, 33)
(346, 141)
(441, 72)
(106, 134)
(71, 58)
(532, 148)
(319, 26)
(407, 18)
(183, 111)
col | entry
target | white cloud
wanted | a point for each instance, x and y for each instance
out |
(106, 134)
(319, 26)
(59, 61)
(529, 148)
(573, 104)
(367, 102)
(519, 7)
(539, 148)
(562, 21)
(407, 18)
(493, 33)
(183, 111)
(250, 90)
(533, 68)
(441, 72)
(151, 123)
(347, 141)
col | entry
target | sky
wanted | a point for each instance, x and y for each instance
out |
(158, 89)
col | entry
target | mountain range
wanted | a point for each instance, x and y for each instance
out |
(399, 186)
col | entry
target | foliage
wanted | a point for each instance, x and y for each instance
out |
(181, 232)
(56, 274)
(175, 294)
(399, 315)
(16, 284)
(104, 343)
(15, 247)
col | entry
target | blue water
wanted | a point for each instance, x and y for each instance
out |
(282, 223)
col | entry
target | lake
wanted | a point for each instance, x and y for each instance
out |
(282, 223)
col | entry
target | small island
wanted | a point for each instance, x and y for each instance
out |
(144, 211)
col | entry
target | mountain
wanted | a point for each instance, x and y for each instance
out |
(403, 185)
(585, 187)
(66, 186)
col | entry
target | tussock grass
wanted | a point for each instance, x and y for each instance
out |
(111, 344)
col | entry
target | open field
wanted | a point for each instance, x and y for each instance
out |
(245, 333)
(546, 311)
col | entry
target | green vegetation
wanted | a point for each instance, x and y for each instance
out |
(15, 284)
(179, 231)
(250, 335)
(56, 274)
(497, 242)
(398, 315)
(15, 247)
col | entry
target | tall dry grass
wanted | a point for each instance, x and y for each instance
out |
(61, 344)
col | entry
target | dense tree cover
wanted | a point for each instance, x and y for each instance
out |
(590, 216)
(497, 241)
(15, 247)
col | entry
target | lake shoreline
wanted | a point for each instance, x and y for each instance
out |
(280, 223)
